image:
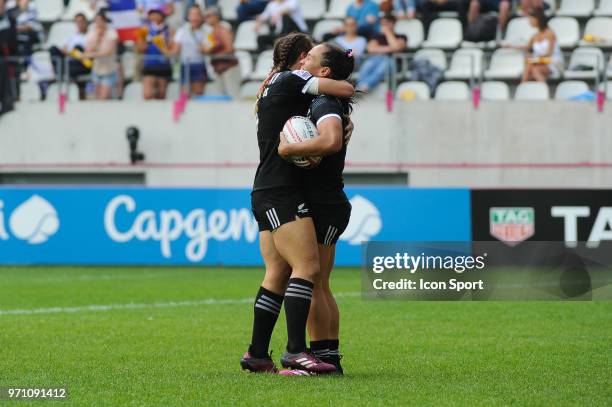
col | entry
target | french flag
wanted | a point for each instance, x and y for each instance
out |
(125, 18)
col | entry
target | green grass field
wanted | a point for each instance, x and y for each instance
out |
(155, 336)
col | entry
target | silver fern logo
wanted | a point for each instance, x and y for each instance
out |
(34, 221)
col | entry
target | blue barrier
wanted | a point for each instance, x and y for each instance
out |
(200, 226)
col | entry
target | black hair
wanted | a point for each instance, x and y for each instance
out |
(390, 17)
(542, 20)
(341, 64)
(80, 15)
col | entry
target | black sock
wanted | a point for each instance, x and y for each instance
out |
(319, 348)
(297, 305)
(266, 309)
(334, 345)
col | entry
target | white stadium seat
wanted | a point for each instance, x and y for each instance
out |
(129, 63)
(133, 92)
(609, 91)
(246, 64)
(59, 33)
(604, 9)
(569, 89)
(465, 64)
(576, 8)
(313, 9)
(41, 67)
(246, 38)
(532, 91)
(445, 33)
(78, 6)
(452, 90)
(567, 31)
(413, 29)
(337, 8)
(435, 56)
(173, 91)
(600, 29)
(72, 93)
(610, 67)
(519, 31)
(249, 90)
(495, 90)
(420, 89)
(228, 9)
(49, 10)
(585, 57)
(506, 64)
(323, 27)
(263, 65)
(29, 92)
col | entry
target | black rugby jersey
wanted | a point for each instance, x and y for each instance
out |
(324, 183)
(284, 97)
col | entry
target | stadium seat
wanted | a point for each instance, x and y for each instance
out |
(567, 31)
(495, 90)
(598, 32)
(246, 64)
(133, 92)
(59, 33)
(173, 91)
(313, 9)
(568, 89)
(413, 29)
(72, 94)
(435, 56)
(445, 33)
(78, 6)
(49, 10)
(532, 91)
(323, 27)
(419, 89)
(465, 64)
(129, 64)
(585, 57)
(519, 31)
(576, 8)
(604, 9)
(337, 8)
(29, 92)
(246, 38)
(228, 9)
(609, 70)
(248, 91)
(609, 90)
(452, 90)
(262, 66)
(506, 64)
(41, 67)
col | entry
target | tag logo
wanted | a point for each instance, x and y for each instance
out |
(34, 221)
(512, 225)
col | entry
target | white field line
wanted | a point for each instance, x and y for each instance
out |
(130, 306)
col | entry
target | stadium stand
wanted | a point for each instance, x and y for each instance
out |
(445, 33)
(604, 9)
(519, 32)
(262, 66)
(576, 8)
(420, 90)
(313, 9)
(567, 30)
(133, 91)
(325, 26)
(532, 91)
(49, 10)
(585, 63)
(465, 64)
(337, 8)
(72, 93)
(246, 39)
(59, 33)
(249, 90)
(435, 56)
(495, 90)
(570, 89)
(452, 90)
(78, 6)
(506, 64)
(413, 29)
(598, 32)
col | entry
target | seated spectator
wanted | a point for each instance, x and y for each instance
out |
(366, 14)
(101, 46)
(73, 48)
(404, 9)
(546, 58)
(503, 7)
(153, 42)
(29, 30)
(189, 44)
(221, 48)
(283, 17)
(351, 40)
(381, 45)
(249, 9)
(144, 6)
(430, 9)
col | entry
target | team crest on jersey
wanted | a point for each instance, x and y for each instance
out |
(302, 74)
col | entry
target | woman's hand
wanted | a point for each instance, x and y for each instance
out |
(283, 146)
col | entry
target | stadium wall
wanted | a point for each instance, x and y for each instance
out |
(441, 144)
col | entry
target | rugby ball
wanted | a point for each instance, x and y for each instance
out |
(297, 130)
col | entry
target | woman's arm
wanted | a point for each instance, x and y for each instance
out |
(332, 87)
(329, 141)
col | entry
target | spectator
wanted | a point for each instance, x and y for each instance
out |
(404, 9)
(351, 40)
(381, 45)
(29, 30)
(153, 41)
(249, 9)
(73, 47)
(546, 58)
(430, 8)
(101, 46)
(144, 6)
(530, 5)
(366, 13)
(284, 17)
(189, 43)
(8, 69)
(221, 49)
(503, 7)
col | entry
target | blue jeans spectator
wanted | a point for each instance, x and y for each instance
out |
(372, 71)
(250, 9)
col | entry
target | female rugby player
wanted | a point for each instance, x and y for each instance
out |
(324, 189)
(287, 236)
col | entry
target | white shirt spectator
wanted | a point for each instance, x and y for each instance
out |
(357, 44)
(190, 43)
(274, 7)
(77, 40)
